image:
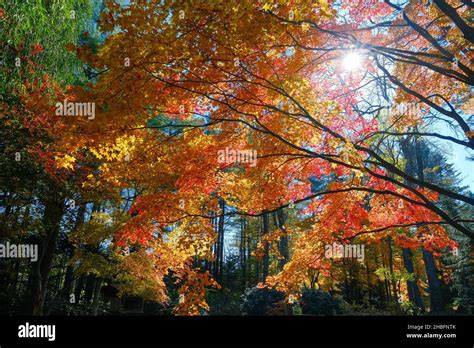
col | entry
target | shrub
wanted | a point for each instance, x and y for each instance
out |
(317, 302)
(264, 301)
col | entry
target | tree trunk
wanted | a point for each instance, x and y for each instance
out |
(266, 247)
(89, 289)
(412, 285)
(369, 286)
(413, 155)
(215, 247)
(283, 245)
(392, 276)
(69, 277)
(249, 266)
(243, 253)
(96, 298)
(434, 285)
(79, 285)
(221, 239)
(386, 282)
(51, 222)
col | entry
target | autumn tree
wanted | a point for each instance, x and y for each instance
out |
(176, 83)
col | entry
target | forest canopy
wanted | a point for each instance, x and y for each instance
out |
(238, 157)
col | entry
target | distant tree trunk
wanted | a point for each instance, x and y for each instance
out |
(257, 269)
(266, 255)
(392, 275)
(221, 239)
(369, 286)
(51, 221)
(346, 280)
(243, 253)
(283, 245)
(215, 247)
(13, 286)
(78, 286)
(96, 298)
(380, 287)
(249, 266)
(386, 282)
(89, 289)
(413, 291)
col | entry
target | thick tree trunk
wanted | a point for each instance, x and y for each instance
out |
(412, 285)
(283, 245)
(69, 277)
(413, 154)
(51, 222)
(68, 281)
(434, 285)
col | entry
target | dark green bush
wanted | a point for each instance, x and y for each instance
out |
(263, 301)
(317, 302)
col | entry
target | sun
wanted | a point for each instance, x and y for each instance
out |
(352, 61)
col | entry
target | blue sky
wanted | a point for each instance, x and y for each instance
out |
(458, 158)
